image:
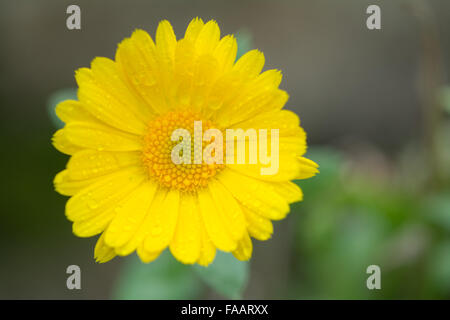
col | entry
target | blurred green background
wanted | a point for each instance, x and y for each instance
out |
(376, 107)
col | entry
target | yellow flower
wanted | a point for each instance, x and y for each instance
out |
(121, 178)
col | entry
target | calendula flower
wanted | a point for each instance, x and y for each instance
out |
(121, 176)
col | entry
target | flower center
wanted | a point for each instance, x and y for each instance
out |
(157, 153)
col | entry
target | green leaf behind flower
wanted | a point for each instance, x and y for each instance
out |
(164, 278)
(227, 275)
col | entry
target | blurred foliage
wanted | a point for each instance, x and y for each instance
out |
(439, 268)
(445, 98)
(350, 220)
(437, 208)
(166, 278)
(227, 275)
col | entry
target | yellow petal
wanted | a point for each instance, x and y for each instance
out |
(99, 219)
(103, 253)
(166, 41)
(250, 105)
(288, 169)
(185, 62)
(259, 227)
(93, 226)
(89, 164)
(253, 98)
(73, 111)
(207, 250)
(194, 75)
(286, 121)
(250, 64)
(106, 96)
(214, 222)
(208, 38)
(259, 196)
(186, 242)
(289, 191)
(271, 100)
(292, 144)
(162, 221)
(103, 194)
(69, 187)
(204, 75)
(308, 168)
(225, 52)
(239, 95)
(138, 60)
(270, 78)
(101, 137)
(129, 215)
(244, 249)
(229, 209)
(62, 144)
(143, 230)
(193, 29)
(147, 256)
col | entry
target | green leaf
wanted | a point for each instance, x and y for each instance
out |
(227, 275)
(55, 98)
(164, 278)
(244, 40)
